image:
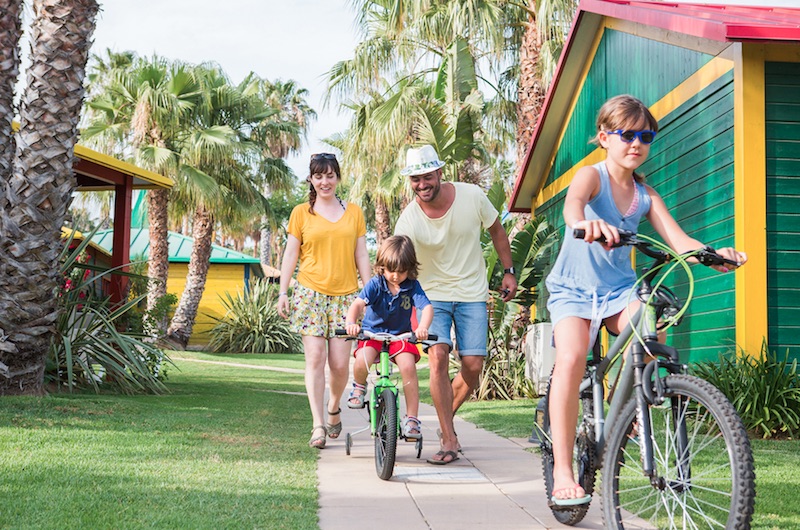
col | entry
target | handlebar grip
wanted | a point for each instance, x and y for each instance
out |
(625, 236)
(431, 336)
(340, 332)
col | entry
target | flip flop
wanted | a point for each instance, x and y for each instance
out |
(570, 502)
(439, 434)
(442, 455)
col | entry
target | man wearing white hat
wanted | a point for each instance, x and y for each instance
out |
(445, 222)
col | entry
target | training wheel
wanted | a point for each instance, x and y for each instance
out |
(418, 447)
(348, 443)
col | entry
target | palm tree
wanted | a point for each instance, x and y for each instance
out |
(143, 104)
(545, 33)
(35, 196)
(282, 134)
(418, 79)
(220, 161)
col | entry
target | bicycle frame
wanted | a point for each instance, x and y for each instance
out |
(382, 383)
(635, 373)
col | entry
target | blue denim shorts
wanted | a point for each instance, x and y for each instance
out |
(471, 321)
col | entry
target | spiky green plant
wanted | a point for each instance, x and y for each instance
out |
(252, 324)
(89, 350)
(764, 389)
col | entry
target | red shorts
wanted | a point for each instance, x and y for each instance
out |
(394, 348)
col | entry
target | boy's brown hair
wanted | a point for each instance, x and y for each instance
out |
(397, 254)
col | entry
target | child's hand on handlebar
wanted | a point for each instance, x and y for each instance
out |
(421, 333)
(599, 230)
(731, 254)
(353, 329)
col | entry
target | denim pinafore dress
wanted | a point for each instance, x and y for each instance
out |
(588, 281)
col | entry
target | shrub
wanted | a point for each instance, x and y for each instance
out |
(89, 350)
(252, 324)
(764, 389)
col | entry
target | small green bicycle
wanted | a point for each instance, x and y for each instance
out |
(383, 405)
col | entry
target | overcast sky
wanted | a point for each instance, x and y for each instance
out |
(276, 39)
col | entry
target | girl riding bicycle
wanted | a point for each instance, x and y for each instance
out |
(388, 299)
(590, 285)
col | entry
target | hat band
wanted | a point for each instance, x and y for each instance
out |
(434, 164)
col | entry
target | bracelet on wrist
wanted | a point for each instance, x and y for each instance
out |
(283, 294)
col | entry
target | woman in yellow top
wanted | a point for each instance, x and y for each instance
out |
(327, 235)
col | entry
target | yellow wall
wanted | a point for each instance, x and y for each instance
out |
(221, 278)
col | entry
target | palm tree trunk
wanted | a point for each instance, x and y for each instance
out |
(10, 32)
(180, 329)
(35, 200)
(158, 254)
(531, 90)
(264, 247)
(383, 225)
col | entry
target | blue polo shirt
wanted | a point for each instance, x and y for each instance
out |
(388, 313)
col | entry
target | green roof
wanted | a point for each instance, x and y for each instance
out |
(180, 247)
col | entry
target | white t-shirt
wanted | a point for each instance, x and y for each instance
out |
(452, 268)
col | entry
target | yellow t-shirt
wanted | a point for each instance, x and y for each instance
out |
(327, 250)
(452, 268)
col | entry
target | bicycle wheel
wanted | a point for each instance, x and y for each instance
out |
(386, 434)
(584, 461)
(704, 466)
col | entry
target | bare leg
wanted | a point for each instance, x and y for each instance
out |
(466, 380)
(316, 353)
(406, 362)
(339, 366)
(442, 394)
(572, 342)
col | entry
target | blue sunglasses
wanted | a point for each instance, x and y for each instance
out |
(646, 137)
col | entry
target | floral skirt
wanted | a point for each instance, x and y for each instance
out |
(318, 314)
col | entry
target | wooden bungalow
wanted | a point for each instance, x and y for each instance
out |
(724, 83)
(230, 271)
(96, 171)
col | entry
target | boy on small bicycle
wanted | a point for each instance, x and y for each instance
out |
(388, 299)
(589, 284)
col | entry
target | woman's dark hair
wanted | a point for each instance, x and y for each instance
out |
(397, 254)
(320, 163)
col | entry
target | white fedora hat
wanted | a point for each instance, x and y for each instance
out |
(421, 160)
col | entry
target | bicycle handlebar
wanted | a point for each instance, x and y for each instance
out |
(706, 256)
(384, 337)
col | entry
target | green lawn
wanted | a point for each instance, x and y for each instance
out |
(226, 449)
(223, 450)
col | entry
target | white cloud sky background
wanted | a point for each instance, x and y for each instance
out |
(276, 39)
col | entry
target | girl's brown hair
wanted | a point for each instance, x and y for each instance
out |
(624, 112)
(397, 254)
(320, 163)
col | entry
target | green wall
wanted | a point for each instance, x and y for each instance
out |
(690, 165)
(783, 206)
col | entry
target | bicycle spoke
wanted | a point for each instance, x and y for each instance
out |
(696, 481)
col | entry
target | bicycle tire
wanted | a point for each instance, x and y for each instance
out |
(584, 461)
(386, 434)
(718, 484)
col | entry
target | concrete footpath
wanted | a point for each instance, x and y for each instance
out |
(497, 483)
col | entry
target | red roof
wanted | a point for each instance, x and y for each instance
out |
(724, 23)
(715, 22)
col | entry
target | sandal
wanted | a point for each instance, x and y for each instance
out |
(412, 428)
(357, 396)
(318, 441)
(439, 434)
(334, 429)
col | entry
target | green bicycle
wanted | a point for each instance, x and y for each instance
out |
(383, 404)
